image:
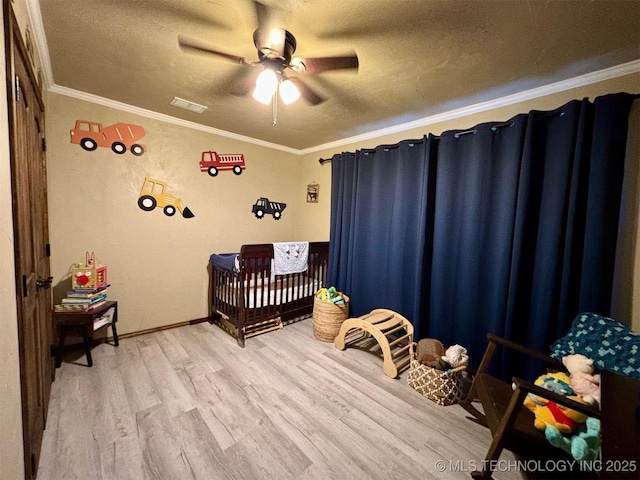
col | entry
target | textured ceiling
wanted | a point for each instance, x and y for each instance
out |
(417, 57)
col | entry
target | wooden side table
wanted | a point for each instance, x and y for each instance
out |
(81, 324)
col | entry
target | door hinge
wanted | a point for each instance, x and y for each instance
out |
(24, 286)
(44, 144)
(17, 85)
(47, 249)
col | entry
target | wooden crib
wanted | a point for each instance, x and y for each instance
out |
(247, 300)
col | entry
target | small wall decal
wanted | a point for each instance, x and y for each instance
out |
(154, 194)
(213, 162)
(264, 206)
(312, 193)
(120, 137)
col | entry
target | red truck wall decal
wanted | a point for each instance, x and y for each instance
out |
(119, 137)
(212, 162)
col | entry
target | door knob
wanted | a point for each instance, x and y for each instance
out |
(44, 282)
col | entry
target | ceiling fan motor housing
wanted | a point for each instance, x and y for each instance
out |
(268, 50)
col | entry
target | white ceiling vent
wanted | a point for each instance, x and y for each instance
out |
(187, 105)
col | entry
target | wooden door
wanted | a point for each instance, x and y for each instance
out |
(29, 182)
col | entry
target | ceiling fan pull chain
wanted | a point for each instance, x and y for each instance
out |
(274, 108)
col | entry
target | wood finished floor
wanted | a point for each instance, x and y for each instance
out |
(189, 403)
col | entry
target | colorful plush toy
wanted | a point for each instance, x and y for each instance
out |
(565, 428)
(582, 380)
(557, 382)
(583, 445)
(455, 356)
(330, 294)
(564, 419)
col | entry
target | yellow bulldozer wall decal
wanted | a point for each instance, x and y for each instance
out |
(154, 194)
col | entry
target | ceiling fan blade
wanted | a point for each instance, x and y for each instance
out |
(238, 81)
(244, 83)
(311, 66)
(262, 15)
(187, 43)
(269, 37)
(306, 92)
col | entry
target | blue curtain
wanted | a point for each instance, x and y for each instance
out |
(507, 228)
(378, 219)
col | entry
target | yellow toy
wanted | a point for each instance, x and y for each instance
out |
(562, 418)
(330, 295)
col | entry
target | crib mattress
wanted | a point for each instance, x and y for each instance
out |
(275, 293)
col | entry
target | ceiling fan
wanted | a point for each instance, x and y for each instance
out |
(275, 47)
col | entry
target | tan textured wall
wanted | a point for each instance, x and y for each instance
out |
(629, 285)
(157, 265)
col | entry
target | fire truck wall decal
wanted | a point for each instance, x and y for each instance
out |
(212, 162)
(119, 137)
(264, 206)
(154, 194)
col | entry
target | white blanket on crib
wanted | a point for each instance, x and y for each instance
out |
(290, 257)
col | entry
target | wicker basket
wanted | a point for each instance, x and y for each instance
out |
(442, 387)
(328, 318)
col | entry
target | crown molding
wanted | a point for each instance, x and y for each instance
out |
(88, 97)
(40, 40)
(561, 86)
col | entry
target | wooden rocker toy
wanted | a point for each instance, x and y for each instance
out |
(392, 331)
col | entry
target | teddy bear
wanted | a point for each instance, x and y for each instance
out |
(582, 379)
(455, 356)
(564, 419)
(583, 445)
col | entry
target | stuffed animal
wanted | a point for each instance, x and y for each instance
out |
(578, 363)
(557, 382)
(582, 380)
(429, 352)
(564, 419)
(455, 356)
(583, 445)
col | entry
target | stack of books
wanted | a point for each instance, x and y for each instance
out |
(83, 299)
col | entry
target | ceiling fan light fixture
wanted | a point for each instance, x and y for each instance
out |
(266, 85)
(289, 92)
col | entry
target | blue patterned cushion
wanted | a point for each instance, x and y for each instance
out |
(611, 345)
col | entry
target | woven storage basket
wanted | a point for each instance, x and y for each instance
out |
(441, 387)
(328, 318)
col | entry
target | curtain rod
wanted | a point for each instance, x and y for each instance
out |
(435, 137)
(385, 147)
(541, 114)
